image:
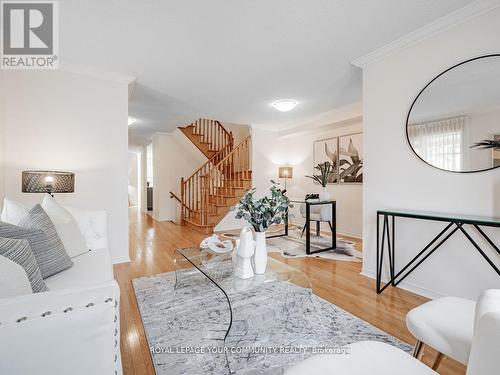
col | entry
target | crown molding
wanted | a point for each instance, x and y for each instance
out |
(459, 16)
(93, 72)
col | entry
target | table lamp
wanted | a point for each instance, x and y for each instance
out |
(286, 173)
(49, 182)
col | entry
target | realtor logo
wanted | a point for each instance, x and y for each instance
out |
(29, 35)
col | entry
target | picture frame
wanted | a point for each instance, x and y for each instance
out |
(495, 152)
(350, 151)
(327, 150)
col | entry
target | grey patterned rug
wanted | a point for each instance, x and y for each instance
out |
(275, 325)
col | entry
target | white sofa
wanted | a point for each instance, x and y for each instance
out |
(74, 328)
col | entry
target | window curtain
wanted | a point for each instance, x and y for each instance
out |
(442, 143)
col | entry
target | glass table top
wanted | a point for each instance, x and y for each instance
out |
(440, 216)
(263, 312)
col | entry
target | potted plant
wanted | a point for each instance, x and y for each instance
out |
(325, 170)
(261, 213)
(487, 144)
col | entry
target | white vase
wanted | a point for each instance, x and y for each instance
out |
(324, 195)
(260, 257)
(243, 255)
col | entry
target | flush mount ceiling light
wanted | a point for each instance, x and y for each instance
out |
(131, 120)
(285, 105)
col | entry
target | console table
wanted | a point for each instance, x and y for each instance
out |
(455, 223)
(332, 223)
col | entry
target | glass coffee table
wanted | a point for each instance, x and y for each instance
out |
(266, 316)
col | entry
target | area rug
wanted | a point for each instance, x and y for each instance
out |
(275, 325)
(294, 246)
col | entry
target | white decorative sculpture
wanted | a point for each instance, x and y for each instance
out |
(244, 252)
(216, 245)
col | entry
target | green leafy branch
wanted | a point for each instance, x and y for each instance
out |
(263, 212)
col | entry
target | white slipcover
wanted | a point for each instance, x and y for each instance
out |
(75, 327)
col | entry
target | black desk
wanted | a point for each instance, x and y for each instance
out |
(455, 223)
(333, 224)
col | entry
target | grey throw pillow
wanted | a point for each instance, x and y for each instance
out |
(49, 250)
(19, 251)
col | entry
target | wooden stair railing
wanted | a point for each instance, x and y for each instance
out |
(209, 136)
(172, 195)
(214, 181)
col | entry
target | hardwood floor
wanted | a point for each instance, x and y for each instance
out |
(152, 244)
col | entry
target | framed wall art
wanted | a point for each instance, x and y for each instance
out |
(351, 158)
(326, 150)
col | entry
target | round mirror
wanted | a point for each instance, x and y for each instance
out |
(454, 122)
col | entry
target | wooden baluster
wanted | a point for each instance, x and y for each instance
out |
(210, 139)
(198, 192)
(182, 198)
(217, 136)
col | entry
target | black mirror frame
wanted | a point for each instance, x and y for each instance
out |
(420, 93)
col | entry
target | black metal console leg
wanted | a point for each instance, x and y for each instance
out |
(480, 251)
(308, 229)
(381, 260)
(333, 225)
(389, 250)
(393, 282)
(487, 238)
(378, 253)
(397, 279)
(426, 256)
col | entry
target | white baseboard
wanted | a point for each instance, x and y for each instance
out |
(410, 287)
(348, 234)
(123, 259)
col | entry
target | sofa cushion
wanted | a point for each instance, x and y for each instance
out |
(93, 267)
(19, 252)
(13, 279)
(93, 225)
(13, 212)
(50, 255)
(66, 227)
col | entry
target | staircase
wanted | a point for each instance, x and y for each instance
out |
(218, 184)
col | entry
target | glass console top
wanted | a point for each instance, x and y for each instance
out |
(468, 219)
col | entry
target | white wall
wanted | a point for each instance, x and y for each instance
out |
(174, 157)
(144, 167)
(270, 151)
(67, 121)
(396, 178)
(240, 132)
(133, 179)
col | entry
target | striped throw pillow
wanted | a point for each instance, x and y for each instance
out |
(49, 253)
(19, 251)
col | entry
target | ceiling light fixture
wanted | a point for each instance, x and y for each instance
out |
(285, 105)
(131, 120)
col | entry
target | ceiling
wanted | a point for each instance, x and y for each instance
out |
(230, 59)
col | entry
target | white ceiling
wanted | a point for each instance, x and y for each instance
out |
(230, 59)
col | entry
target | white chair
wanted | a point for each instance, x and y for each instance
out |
(375, 358)
(318, 213)
(447, 324)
